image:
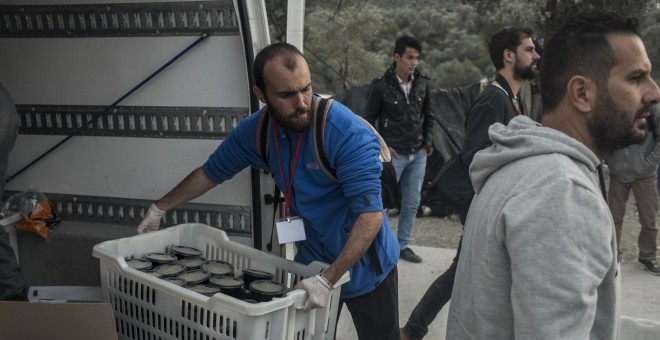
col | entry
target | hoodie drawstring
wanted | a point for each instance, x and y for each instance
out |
(601, 179)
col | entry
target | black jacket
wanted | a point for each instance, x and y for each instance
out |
(405, 125)
(493, 105)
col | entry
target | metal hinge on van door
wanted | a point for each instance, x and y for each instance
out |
(131, 121)
(234, 220)
(115, 20)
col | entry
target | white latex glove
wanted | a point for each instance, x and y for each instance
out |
(151, 221)
(318, 291)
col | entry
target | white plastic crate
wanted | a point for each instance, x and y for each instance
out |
(146, 307)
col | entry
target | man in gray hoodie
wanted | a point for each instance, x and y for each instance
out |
(539, 258)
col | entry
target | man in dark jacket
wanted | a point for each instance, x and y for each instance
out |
(633, 168)
(12, 283)
(399, 106)
(513, 54)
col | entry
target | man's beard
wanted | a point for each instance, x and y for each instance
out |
(612, 127)
(522, 72)
(291, 122)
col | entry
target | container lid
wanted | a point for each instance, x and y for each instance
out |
(184, 251)
(191, 262)
(204, 289)
(139, 264)
(258, 273)
(170, 269)
(227, 282)
(177, 281)
(267, 287)
(160, 257)
(153, 273)
(195, 276)
(218, 268)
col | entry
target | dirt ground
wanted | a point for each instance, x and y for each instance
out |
(445, 232)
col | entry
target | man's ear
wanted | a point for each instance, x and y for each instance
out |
(508, 56)
(582, 93)
(260, 95)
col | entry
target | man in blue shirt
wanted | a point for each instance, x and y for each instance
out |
(344, 220)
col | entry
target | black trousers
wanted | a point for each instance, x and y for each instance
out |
(436, 297)
(376, 314)
(12, 284)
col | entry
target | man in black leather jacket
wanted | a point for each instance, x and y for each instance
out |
(399, 106)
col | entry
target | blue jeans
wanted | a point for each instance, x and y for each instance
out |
(410, 175)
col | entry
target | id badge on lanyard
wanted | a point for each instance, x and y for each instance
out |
(289, 229)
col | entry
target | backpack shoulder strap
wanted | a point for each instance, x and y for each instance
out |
(385, 155)
(321, 108)
(509, 104)
(262, 134)
(320, 115)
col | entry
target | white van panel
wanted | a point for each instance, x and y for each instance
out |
(98, 71)
(67, 73)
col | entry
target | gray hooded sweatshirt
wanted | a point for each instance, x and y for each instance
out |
(538, 257)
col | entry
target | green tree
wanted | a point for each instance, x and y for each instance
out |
(556, 12)
(276, 13)
(349, 42)
(339, 46)
(651, 35)
(456, 73)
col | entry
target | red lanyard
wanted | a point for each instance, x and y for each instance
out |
(287, 192)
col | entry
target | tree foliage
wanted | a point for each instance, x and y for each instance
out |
(350, 42)
(344, 48)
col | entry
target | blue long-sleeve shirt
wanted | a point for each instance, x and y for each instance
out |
(328, 208)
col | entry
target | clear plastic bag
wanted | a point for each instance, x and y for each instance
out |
(36, 211)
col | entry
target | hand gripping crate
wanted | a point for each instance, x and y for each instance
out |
(146, 307)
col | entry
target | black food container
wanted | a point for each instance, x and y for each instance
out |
(218, 268)
(266, 290)
(229, 285)
(250, 275)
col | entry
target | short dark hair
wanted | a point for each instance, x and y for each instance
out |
(580, 46)
(506, 39)
(270, 52)
(406, 41)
